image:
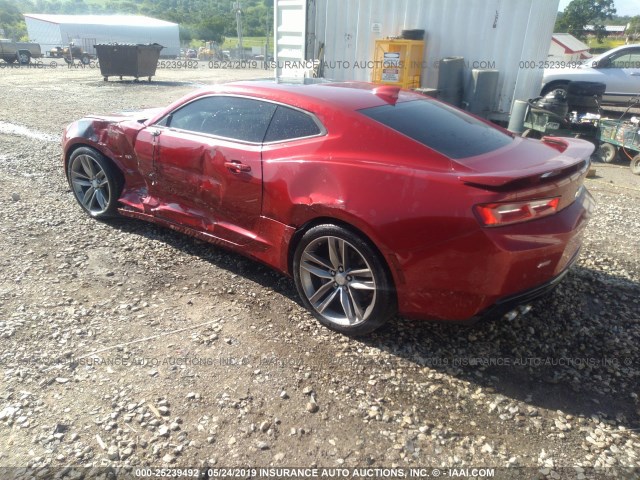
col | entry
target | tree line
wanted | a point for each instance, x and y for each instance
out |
(210, 20)
(213, 20)
(598, 13)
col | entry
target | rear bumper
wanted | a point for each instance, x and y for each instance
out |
(492, 270)
(507, 304)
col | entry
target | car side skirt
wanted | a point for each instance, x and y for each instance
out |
(273, 254)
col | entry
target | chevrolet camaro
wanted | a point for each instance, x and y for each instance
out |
(375, 200)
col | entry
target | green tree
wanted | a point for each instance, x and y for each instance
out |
(634, 27)
(208, 20)
(12, 21)
(211, 29)
(580, 13)
(186, 36)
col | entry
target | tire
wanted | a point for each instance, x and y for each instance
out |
(555, 86)
(95, 182)
(85, 59)
(24, 58)
(343, 280)
(607, 152)
(10, 60)
(635, 165)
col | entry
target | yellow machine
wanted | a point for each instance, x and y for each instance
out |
(210, 51)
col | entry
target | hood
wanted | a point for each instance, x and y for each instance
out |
(137, 115)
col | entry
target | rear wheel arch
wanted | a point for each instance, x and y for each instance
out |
(324, 220)
(342, 277)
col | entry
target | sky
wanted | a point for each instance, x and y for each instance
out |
(624, 7)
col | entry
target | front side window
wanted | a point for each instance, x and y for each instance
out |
(236, 118)
(627, 59)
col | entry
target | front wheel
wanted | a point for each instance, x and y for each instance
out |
(635, 165)
(564, 86)
(94, 181)
(343, 280)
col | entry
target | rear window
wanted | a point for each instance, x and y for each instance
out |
(440, 127)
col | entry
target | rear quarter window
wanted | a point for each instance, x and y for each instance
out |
(440, 127)
(289, 124)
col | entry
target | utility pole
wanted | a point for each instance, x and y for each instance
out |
(266, 47)
(238, 8)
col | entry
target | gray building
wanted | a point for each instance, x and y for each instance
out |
(87, 30)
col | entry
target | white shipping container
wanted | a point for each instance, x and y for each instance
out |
(290, 21)
(512, 36)
(87, 30)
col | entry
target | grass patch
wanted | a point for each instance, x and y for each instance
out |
(231, 42)
(607, 44)
(247, 42)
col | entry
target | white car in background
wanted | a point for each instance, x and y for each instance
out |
(618, 69)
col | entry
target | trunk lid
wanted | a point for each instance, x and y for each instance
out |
(526, 163)
(530, 169)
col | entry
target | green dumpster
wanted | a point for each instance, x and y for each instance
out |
(128, 60)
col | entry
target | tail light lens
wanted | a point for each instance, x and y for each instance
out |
(506, 213)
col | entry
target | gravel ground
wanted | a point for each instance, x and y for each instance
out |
(123, 344)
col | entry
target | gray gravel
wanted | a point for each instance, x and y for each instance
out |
(125, 344)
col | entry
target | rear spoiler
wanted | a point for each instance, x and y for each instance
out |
(574, 158)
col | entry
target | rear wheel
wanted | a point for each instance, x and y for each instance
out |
(95, 182)
(635, 165)
(607, 152)
(24, 58)
(85, 59)
(343, 280)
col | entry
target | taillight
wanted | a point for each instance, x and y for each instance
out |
(506, 213)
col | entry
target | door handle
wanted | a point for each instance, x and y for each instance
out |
(635, 74)
(237, 167)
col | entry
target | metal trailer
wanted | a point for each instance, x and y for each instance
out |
(620, 136)
(511, 36)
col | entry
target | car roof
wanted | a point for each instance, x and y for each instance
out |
(614, 50)
(340, 95)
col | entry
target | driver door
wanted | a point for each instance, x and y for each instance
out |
(203, 165)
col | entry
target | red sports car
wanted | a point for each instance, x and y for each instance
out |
(376, 200)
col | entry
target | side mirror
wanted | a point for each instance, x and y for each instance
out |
(604, 63)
